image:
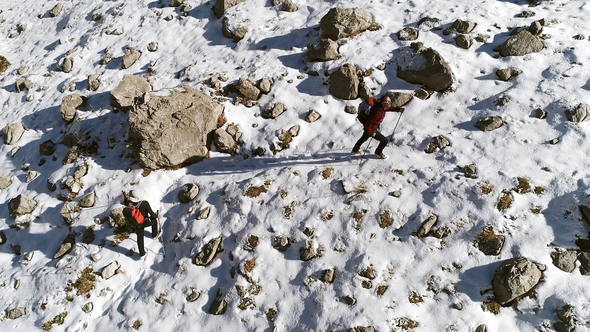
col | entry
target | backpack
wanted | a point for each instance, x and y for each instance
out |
(133, 215)
(362, 115)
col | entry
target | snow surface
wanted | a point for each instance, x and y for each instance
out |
(554, 79)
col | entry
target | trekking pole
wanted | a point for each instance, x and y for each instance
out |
(365, 152)
(393, 133)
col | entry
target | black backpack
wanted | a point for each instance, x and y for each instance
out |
(362, 115)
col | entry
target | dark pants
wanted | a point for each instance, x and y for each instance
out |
(378, 136)
(139, 232)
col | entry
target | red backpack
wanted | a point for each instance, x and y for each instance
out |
(133, 215)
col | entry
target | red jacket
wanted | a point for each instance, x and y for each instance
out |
(377, 114)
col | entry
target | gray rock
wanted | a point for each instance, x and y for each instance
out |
(502, 101)
(16, 312)
(324, 50)
(193, 296)
(584, 258)
(489, 123)
(68, 106)
(204, 213)
(224, 142)
(407, 34)
(188, 192)
(209, 252)
(87, 308)
(67, 65)
(176, 3)
(4, 64)
(344, 82)
(345, 22)
(481, 328)
(66, 246)
(312, 116)
(329, 275)
(419, 65)
(31, 175)
(439, 142)
(427, 23)
(536, 28)
(521, 44)
(219, 304)
(294, 131)
(422, 94)
(130, 57)
(350, 109)
(399, 99)
(362, 329)
(116, 32)
(88, 200)
(22, 84)
(514, 278)
(264, 85)
(172, 131)
(96, 17)
(152, 47)
(21, 205)
(506, 74)
(350, 300)
(364, 90)
(463, 26)
(109, 270)
(427, 225)
(72, 184)
(289, 6)
(463, 41)
(129, 88)
(222, 5)
(565, 260)
(470, 171)
(56, 10)
(5, 181)
(281, 243)
(578, 114)
(368, 273)
(23, 70)
(247, 89)
(276, 110)
(80, 171)
(308, 251)
(540, 113)
(93, 82)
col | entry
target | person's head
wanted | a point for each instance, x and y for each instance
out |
(133, 197)
(386, 100)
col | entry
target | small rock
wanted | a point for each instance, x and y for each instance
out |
(368, 273)
(67, 65)
(87, 308)
(282, 243)
(502, 101)
(110, 270)
(535, 28)
(489, 123)
(22, 84)
(2, 238)
(576, 37)
(422, 94)
(312, 116)
(96, 17)
(481, 328)
(4, 64)
(31, 175)
(16, 312)
(309, 252)
(329, 275)
(274, 112)
(130, 57)
(204, 213)
(427, 226)
(93, 82)
(21, 205)
(350, 109)
(540, 113)
(578, 114)
(565, 260)
(289, 6)
(515, 277)
(16, 249)
(264, 85)
(350, 300)
(88, 200)
(219, 305)
(95, 257)
(68, 106)
(470, 171)
(506, 74)
(193, 296)
(554, 141)
(362, 329)
(407, 34)
(152, 47)
(23, 70)
(209, 252)
(188, 192)
(463, 41)
(56, 10)
(66, 246)
(5, 181)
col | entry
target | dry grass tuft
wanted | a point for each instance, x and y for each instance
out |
(523, 186)
(486, 188)
(385, 219)
(327, 172)
(505, 201)
(491, 306)
(486, 235)
(85, 283)
(249, 265)
(255, 191)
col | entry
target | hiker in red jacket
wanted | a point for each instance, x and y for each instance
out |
(149, 218)
(371, 125)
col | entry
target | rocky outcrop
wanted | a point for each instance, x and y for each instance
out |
(130, 87)
(324, 50)
(12, 133)
(344, 83)
(425, 66)
(345, 22)
(514, 278)
(521, 44)
(173, 129)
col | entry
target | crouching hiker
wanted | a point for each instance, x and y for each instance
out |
(139, 214)
(372, 122)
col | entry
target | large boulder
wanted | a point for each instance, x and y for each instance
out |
(68, 106)
(425, 66)
(21, 205)
(521, 44)
(345, 22)
(324, 50)
(129, 88)
(173, 129)
(222, 5)
(514, 278)
(13, 132)
(344, 83)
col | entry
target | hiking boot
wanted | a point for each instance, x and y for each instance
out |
(355, 153)
(381, 156)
